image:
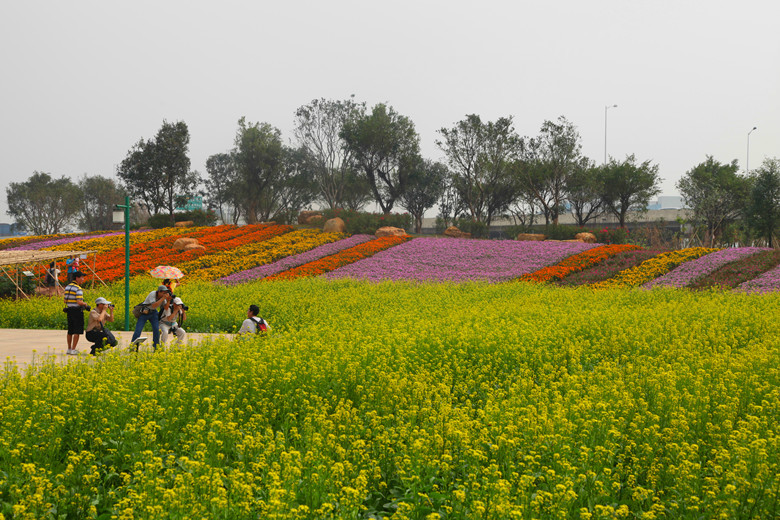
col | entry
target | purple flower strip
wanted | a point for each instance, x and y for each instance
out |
(459, 259)
(688, 272)
(767, 282)
(289, 262)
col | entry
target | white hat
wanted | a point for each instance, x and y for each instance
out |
(102, 300)
(178, 301)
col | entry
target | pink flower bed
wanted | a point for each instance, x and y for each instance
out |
(459, 259)
(691, 271)
(767, 282)
(37, 246)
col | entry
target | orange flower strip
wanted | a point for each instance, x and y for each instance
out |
(342, 258)
(576, 263)
(161, 252)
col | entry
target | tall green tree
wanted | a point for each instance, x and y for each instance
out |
(156, 172)
(716, 194)
(627, 185)
(259, 160)
(483, 158)
(426, 185)
(318, 128)
(296, 187)
(100, 195)
(223, 189)
(42, 204)
(385, 147)
(583, 192)
(550, 160)
(763, 212)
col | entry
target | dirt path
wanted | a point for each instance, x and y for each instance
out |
(21, 346)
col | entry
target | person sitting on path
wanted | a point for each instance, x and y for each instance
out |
(96, 326)
(253, 323)
(74, 309)
(169, 321)
(152, 304)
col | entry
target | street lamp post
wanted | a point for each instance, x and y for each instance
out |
(747, 158)
(126, 217)
(606, 107)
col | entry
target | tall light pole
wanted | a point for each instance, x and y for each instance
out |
(606, 107)
(747, 158)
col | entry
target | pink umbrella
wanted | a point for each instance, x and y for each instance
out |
(166, 271)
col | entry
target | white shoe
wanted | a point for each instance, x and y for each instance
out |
(72, 352)
(135, 343)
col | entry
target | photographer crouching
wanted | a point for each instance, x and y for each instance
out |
(171, 319)
(96, 326)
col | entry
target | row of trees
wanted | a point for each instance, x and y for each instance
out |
(45, 205)
(347, 155)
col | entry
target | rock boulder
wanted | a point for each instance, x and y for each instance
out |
(389, 231)
(183, 242)
(454, 232)
(304, 216)
(588, 238)
(531, 237)
(184, 223)
(335, 225)
(190, 247)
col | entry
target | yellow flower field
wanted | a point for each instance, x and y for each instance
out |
(412, 401)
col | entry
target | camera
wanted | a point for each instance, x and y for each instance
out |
(185, 307)
(111, 305)
(87, 308)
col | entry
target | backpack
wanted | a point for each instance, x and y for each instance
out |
(260, 325)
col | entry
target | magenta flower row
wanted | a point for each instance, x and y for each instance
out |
(459, 259)
(767, 282)
(289, 262)
(37, 246)
(691, 271)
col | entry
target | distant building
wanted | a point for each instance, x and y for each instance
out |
(667, 202)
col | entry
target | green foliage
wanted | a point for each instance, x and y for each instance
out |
(716, 194)
(476, 228)
(627, 185)
(198, 217)
(361, 222)
(156, 172)
(100, 196)
(259, 160)
(385, 146)
(562, 232)
(612, 235)
(42, 204)
(426, 185)
(764, 209)
(8, 289)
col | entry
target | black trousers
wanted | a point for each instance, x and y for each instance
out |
(101, 339)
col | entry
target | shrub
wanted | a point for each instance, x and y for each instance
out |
(562, 232)
(612, 235)
(477, 229)
(199, 217)
(361, 222)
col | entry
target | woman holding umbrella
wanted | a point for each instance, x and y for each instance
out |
(156, 302)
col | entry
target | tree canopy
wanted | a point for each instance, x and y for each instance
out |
(42, 204)
(626, 184)
(763, 212)
(385, 147)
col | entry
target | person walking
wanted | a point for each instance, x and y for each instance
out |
(97, 332)
(69, 268)
(74, 309)
(150, 312)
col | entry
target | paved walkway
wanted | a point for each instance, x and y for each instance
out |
(21, 345)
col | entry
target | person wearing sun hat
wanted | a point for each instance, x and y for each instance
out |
(169, 321)
(152, 304)
(96, 326)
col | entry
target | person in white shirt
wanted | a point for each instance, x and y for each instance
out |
(169, 321)
(253, 323)
(150, 313)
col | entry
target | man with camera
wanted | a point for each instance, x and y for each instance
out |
(150, 309)
(96, 326)
(74, 310)
(169, 320)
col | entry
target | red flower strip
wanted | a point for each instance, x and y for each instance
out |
(342, 258)
(576, 263)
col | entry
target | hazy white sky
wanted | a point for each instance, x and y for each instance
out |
(82, 81)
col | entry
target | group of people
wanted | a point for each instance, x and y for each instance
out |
(73, 263)
(161, 308)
